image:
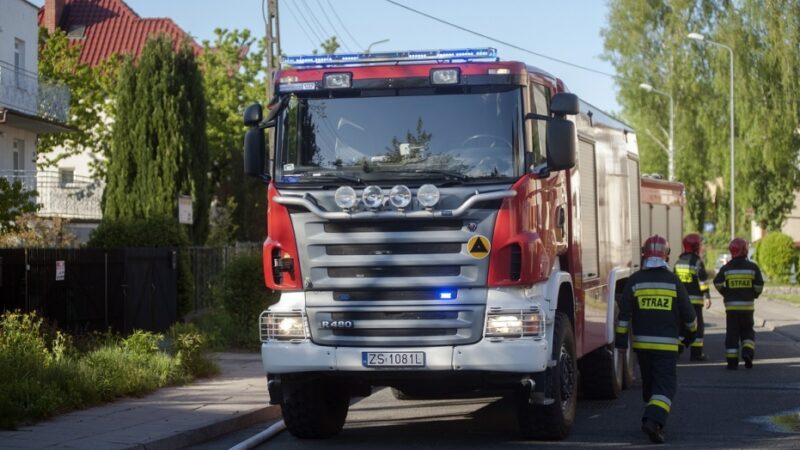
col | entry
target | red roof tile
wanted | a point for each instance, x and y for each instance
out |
(112, 27)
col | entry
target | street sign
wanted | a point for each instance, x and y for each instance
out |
(708, 227)
(185, 210)
(61, 270)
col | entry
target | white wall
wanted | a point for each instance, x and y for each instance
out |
(18, 20)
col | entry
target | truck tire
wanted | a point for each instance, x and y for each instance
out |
(314, 409)
(602, 373)
(554, 421)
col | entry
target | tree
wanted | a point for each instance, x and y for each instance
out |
(159, 148)
(14, 202)
(330, 45)
(233, 79)
(646, 42)
(90, 88)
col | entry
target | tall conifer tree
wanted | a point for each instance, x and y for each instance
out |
(159, 148)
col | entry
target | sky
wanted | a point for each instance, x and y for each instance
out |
(565, 29)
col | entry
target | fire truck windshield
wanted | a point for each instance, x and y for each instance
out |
(467, 137)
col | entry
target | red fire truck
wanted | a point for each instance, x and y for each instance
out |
(441, 222)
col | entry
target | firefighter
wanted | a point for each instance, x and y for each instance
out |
(656, 307)
(692, 273)
(740, 283)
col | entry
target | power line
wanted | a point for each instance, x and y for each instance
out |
(508, 44)
(314, 19)
(343, 25)
(335, 31)
(291, 11)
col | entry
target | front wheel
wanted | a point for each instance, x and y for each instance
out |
(553, 421)
(314, 409)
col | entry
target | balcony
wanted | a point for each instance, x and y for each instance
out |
(25, 92)
(75, 198)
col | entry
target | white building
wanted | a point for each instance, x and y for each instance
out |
(29, 106)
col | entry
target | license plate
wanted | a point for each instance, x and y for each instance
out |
(393, 359)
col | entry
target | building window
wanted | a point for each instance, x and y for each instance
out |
(19, 61)
(66, 176)
(19, 156)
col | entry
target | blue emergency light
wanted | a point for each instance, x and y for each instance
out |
(342, 59)
(447, 294)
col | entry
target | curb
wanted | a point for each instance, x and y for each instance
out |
(211, 431)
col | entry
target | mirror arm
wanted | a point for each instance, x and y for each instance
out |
(535, 116)
(541, 171)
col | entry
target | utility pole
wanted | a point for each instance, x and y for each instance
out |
(273, 33)
(273, 43)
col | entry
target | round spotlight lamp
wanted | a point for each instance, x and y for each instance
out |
(428, 195)
(345, 197)
(372, 197)
(400, 196)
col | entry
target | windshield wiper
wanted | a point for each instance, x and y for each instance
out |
(313, 176)
(447, 173)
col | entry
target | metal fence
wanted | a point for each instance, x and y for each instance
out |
(208, 269)
(93, 289)
(25, 91)
(79, 197)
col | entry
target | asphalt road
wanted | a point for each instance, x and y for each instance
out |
(714, 408)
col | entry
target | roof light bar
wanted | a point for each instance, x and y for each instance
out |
(464, 54)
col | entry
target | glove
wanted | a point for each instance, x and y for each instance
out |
(688, 338)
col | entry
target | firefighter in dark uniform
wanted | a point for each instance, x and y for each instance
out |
(740, 283)
(692, 273)
(656, 307)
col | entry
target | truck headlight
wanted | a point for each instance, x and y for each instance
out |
(283, 326)
(513, 324)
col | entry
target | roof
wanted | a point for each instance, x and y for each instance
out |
(112, 27)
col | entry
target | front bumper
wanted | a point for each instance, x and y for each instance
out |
(511, 355)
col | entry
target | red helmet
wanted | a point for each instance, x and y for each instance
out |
(738, 247)
(656, 247)
(691, 243)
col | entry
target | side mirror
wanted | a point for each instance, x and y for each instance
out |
(564, 103)
(561, 143)
(254, 147)
(253, 115)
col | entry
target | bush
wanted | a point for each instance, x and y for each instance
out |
(152, 232)
(244, 296)
(775, 254)
(43, 373)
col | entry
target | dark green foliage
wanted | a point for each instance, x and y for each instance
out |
(157, 231)
(775, 255)
(232, 81)
(43, 374)
(159, 148)
(14, 201)
(244, 296)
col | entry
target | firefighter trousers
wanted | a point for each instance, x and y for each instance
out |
(659, 382)
(739, 329)
(697, 345)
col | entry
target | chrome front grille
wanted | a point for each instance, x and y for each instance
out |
(396, 326)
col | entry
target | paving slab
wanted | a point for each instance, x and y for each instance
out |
(172, 417)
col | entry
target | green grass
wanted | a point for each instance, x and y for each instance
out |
(789, 422)
(44, 373)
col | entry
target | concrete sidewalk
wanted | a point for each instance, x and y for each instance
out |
(169, 418)
(773, 315)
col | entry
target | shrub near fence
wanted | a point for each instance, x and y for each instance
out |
(776, 254)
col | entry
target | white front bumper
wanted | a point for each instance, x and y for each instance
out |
(515, 356)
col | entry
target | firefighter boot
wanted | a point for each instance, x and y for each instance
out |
(747, 356)
(697, 354)
(653, 430)
(733, 364)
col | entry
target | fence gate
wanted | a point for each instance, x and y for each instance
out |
(92, 289)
